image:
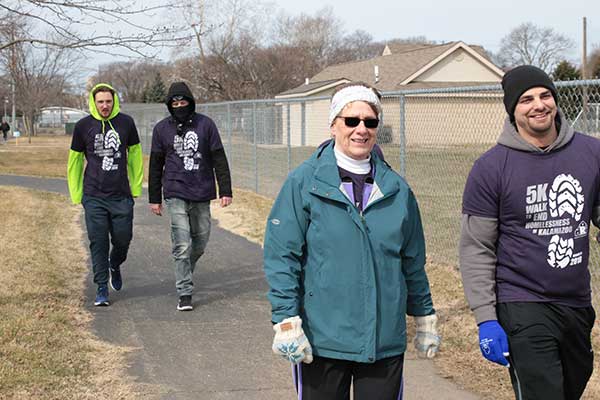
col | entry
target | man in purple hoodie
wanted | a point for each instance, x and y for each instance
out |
(186, 155)
(524, 246)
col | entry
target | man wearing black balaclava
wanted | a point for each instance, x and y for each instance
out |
(186, 155)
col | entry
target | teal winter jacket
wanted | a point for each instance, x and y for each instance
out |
(351, 276)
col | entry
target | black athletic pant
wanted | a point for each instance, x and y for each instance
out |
(108, 221)
(550, 349)
(330, 379)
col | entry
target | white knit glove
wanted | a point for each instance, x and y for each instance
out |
(290, 342)
(427, 341)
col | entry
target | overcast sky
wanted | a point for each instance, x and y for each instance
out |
(480, 22)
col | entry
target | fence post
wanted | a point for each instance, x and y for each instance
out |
(255, 147)
(402, 136)
(303, 122)
(147, 132)
(289, 138)
(229, 134)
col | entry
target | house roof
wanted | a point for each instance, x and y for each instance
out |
(317, 86)
(399, 69)
(395, 48)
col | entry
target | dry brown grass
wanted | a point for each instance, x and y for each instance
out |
(46, 349)
(45, 156)
(246, 216)
(460, 358)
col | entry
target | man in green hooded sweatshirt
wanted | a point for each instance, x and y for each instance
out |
(109, 142)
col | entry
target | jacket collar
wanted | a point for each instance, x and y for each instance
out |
(327, 178)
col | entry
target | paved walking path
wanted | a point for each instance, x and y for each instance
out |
(222, 349)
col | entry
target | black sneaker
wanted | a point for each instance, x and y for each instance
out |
(116, 282)
(102, 296)
(185, 303)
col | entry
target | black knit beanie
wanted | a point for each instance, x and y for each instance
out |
(519, 80)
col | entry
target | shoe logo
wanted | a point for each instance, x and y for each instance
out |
(566, 197)
(111, 140)
(190, 142)
(560, 252)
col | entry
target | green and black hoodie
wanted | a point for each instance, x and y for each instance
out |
(113, 153)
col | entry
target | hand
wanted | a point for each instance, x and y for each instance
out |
(225, 201)
(493, 342)
(156, 209)
(290, 342)
(427, 341)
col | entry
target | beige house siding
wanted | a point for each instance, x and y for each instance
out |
(316, 130)
(442, 120)
(450, 121)
(460, 66)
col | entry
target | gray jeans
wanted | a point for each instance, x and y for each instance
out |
(190, 230)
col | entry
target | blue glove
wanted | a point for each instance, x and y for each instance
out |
(493, 342)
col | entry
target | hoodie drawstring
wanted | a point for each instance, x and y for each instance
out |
(113, 129)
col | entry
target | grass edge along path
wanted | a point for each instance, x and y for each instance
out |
(46, 347)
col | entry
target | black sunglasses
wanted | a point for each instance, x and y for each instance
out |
(352, 122)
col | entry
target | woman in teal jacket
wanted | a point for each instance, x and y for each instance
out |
(344, 258)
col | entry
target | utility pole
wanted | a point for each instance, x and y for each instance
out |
(584, 92)
(13, 116)
(13, 119)
(584, 51)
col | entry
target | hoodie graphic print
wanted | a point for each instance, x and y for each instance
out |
(111, 147)
(187, 149)
(106, 145)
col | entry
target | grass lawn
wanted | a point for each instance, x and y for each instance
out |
(46, 347)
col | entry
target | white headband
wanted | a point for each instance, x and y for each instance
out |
(350, 94)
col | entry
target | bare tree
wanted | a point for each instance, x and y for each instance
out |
(358, 45)
(421, 39)
(219, 65)
(531, 44)
(130, 78)
(593, 66)
(79, 24)
(318, 37)
(39, 74)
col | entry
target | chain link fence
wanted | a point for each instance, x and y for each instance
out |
(431, 137)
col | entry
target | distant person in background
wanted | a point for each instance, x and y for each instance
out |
(4, 127)
(524, 244)
(108, 140)
(344, 257)
(186, 155)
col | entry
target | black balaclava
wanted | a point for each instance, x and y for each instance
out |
(519, 80)
(180, 91)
